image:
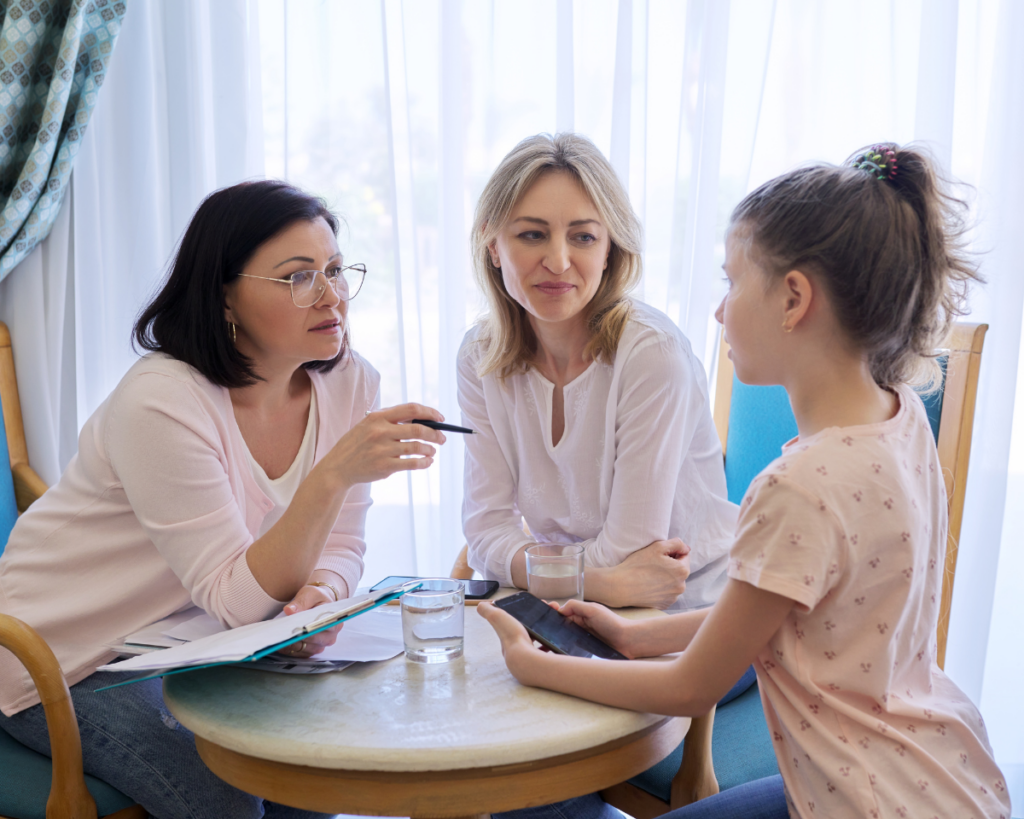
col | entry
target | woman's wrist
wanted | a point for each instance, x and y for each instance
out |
(330, 587)
(331, 479)
(600, 586)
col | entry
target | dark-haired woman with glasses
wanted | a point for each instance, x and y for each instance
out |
(229, 469)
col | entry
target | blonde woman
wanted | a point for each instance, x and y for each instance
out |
(593, 411)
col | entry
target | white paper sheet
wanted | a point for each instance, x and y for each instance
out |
(376, 635)
(379, 639)
(155, 634)
(196, 627)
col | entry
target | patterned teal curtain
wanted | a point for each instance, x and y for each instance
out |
(53, 57)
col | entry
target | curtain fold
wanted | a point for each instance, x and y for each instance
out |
(54, 55)
(695, 103)
(154, 149)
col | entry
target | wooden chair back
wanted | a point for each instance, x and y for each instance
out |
(956, 427)
(27, 484)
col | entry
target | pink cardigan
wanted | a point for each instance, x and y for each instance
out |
(155, 514)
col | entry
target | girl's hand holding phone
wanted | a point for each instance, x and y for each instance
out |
(521, 656)
(601, 622)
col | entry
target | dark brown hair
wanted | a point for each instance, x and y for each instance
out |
(889, 252)
(186, 319)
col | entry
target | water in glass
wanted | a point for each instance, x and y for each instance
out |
(554, 572)
(433, 623)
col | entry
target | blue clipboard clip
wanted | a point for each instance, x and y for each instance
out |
(331, 618)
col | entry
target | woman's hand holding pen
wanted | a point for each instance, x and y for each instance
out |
(379, 445)
(384, 443)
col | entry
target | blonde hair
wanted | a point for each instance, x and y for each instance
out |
(508, 339)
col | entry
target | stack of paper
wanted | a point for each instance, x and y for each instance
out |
(373, 636)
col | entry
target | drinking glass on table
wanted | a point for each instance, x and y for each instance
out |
(433, 620)
(554, 571)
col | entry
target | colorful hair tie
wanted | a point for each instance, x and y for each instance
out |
(878, 160)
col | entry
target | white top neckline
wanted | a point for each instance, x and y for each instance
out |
(282, 489)
(549, 395)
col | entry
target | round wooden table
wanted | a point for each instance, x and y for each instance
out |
(401, 739)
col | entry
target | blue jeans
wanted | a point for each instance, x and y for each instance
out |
(133, 743)
(760, 799)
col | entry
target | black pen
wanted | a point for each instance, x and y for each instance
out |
(442, 427)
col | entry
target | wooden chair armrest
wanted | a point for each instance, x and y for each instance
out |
(69, 796)
(28, 486)
(695, 779)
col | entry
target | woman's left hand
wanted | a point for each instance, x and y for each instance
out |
(307, 598)
(516, 644)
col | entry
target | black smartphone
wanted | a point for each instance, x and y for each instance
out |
(475, 589)
(554, 630)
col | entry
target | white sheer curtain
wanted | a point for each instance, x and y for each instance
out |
(178, 116)
(397, 112)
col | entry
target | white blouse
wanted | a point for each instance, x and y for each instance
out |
(639, 459)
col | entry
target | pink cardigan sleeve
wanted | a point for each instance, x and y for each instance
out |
(167, 443)
(348, 395)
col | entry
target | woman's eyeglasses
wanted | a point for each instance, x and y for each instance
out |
(307, 288)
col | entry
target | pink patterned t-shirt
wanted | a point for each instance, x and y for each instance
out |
(851, 524)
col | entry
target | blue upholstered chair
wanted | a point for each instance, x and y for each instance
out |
(731, 745)
(33, 786)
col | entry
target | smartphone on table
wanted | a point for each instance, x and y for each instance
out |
(475, 589)
(554, 630)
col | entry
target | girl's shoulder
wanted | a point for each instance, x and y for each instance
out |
(871, 459)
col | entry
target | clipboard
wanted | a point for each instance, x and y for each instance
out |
(306, 623)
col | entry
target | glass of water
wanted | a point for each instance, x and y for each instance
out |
(433, 618)
(554, 571)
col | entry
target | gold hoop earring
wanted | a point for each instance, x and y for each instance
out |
(786, 328)
(234, 333)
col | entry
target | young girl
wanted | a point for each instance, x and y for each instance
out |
(843, 283)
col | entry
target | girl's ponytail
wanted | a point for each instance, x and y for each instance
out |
(885, 236)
